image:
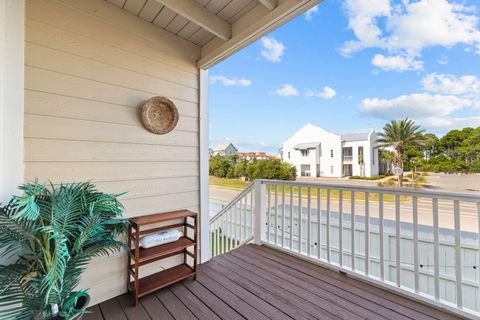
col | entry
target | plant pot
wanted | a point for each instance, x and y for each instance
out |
(82, 304)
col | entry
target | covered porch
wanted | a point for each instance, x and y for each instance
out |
(74, 76)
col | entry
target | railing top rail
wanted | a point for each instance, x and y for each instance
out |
(472, 197)
(232, 203)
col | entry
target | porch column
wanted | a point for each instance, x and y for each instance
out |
(12, 44)
(204, 158)
(259, 211)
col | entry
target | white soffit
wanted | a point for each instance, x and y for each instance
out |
(219, 27)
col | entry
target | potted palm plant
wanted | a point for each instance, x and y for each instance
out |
(52, 232)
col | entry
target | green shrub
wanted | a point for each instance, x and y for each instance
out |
(232, 168)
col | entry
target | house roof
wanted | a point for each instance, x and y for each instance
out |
(221, 27)
(355, 136)
(223, 147)
(307, 145)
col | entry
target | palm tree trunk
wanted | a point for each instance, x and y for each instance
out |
(399, 160)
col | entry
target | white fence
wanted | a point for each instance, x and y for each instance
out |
(362, 231)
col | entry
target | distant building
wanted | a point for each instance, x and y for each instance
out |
(255, 155)
(319, 153)
(226, 149)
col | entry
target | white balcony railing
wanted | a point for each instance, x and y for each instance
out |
(420, 243)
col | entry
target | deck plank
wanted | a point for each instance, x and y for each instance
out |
(111, 309)
(329, 303)
(195, 305)
(362, 307)
(266, 308)
(399, 304)
(94, 313)
(261, 283)
(176, 308)
(155, 309)
(246, 310)
(223, 310)
(288, 304)
(132, 312)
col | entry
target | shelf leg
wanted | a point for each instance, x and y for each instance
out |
(137, 256)
(129, 245)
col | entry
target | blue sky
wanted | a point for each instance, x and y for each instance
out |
(351, 65)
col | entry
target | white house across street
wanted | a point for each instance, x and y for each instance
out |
(317, 152)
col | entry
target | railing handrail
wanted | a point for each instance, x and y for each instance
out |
(232, 202)
(399, 191)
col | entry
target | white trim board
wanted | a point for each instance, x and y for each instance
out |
(12, 43)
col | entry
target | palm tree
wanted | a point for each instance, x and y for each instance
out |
(398, 134)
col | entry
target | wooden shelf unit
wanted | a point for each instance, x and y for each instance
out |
(138, 257)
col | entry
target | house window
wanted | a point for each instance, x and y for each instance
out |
(331, 153)
(288, 154)
(360, 155)
(331, 169)
(304, 153)
(373, 156)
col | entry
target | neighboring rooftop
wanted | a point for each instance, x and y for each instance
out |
(355, 136)
(223, 146)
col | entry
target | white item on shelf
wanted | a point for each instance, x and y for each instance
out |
(159, 238)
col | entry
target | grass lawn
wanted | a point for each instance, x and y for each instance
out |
(234, 184)
(223, 183)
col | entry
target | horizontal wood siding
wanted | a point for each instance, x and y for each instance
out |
(90, 66)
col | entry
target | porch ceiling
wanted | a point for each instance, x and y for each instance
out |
(219, 27)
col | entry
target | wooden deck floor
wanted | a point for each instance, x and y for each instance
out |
(258, 283)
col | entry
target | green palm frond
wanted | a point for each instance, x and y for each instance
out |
(14, 285)
(54, 231)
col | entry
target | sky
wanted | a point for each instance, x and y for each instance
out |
(349, 66)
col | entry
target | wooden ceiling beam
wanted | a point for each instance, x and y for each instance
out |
(252, 26)
(269, 4)
(200, 15)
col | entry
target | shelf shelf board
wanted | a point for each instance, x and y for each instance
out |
(166, 249)
(161, 279)
(161, 217)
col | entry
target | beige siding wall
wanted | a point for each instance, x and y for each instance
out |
(89, 67)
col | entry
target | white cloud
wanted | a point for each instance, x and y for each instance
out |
(362, 20)
(451, 123)
(311, 12)
(272, 50)
(230, 82)
(443, 60)
(416, 105)
(396, 63)
(287, 90)
(467, 85)
(326, 93)
(409, 27)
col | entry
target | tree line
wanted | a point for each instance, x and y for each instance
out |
(232, 167)
(457, 151)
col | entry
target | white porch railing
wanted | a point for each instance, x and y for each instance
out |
(420, 243)
(233, 225)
